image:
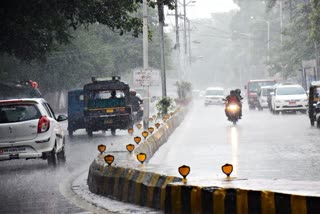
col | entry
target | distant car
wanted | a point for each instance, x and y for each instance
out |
(289, 98)
(263, 95)
(214, 95)
(30, 130)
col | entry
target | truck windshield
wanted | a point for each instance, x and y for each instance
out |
(254, 86)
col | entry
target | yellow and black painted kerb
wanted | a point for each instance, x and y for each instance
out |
(182, 198)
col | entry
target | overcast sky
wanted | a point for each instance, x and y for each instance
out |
(204, 8)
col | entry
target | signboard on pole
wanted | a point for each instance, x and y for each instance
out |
(145, 78)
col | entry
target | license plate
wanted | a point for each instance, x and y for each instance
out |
(107, 121)
(1, 151)
(109, 110)
(292, 102)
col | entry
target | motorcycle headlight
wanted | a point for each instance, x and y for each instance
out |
(233, 107)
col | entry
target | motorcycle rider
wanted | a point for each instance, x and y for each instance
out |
(135, 100)
(234, 97)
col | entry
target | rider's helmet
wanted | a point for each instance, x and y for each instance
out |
(113, 93)
(238, 91)
(133, 93)
(232, 92)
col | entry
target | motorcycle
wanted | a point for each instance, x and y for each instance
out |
(233, 111)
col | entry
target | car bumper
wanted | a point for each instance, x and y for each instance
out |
(26, 149)
(291, 107)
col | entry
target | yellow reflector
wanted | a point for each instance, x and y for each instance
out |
(102, 148)
(157, 125)
(109, 159)
(227, 169)
(150, 129)
(137, 139)
(130, 147)
(141, 157)
(145, 134)
(184, 171)
(130, 130)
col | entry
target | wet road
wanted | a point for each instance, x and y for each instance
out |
(33, 187)
(260, 146)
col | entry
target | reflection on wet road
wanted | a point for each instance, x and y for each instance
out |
(260, 146)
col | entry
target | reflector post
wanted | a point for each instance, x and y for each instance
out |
(137, 139)
(141, 157)
(227, 169)
(184, 171)
(102, 148)
(145, 134)
(109, 159)
(130, 147)
(138, 125)
(130, 130)
(150, 129)
(157, 125)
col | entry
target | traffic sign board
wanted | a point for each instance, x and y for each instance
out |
(147, 77)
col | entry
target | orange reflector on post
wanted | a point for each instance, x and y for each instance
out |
(145, 134)
(137, 139)
(141, 157)
(227, 169)
(102, 148)
(109, 159)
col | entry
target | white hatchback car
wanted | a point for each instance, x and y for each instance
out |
(29, 130)
(289, 98)
(214, 95)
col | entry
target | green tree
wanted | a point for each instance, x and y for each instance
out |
(30, 28)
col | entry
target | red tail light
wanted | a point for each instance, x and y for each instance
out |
(44, 124)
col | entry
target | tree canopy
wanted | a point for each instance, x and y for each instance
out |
(32, 28)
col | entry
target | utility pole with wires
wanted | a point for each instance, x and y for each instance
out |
(145, 64)
(163, 67)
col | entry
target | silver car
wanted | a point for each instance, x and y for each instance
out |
(29, 130)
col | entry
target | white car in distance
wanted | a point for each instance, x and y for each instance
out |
(214, 95)
(30, 130)
(289, 98)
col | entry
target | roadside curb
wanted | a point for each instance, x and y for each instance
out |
(183, 198)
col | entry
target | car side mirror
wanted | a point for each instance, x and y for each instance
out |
(62, 118)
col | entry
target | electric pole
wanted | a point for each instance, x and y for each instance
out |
(163, 68)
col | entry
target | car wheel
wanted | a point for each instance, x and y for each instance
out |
(318, 123)
(70, 132)
(303, 111)
(89, 132)
(312, 122)
(61, 156)
(52, 159)
(276, 112)
(113, 132)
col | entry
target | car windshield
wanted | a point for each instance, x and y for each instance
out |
(215, 92)
(18, 113)
(254, 86)
(290, 91)
(265, 91)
